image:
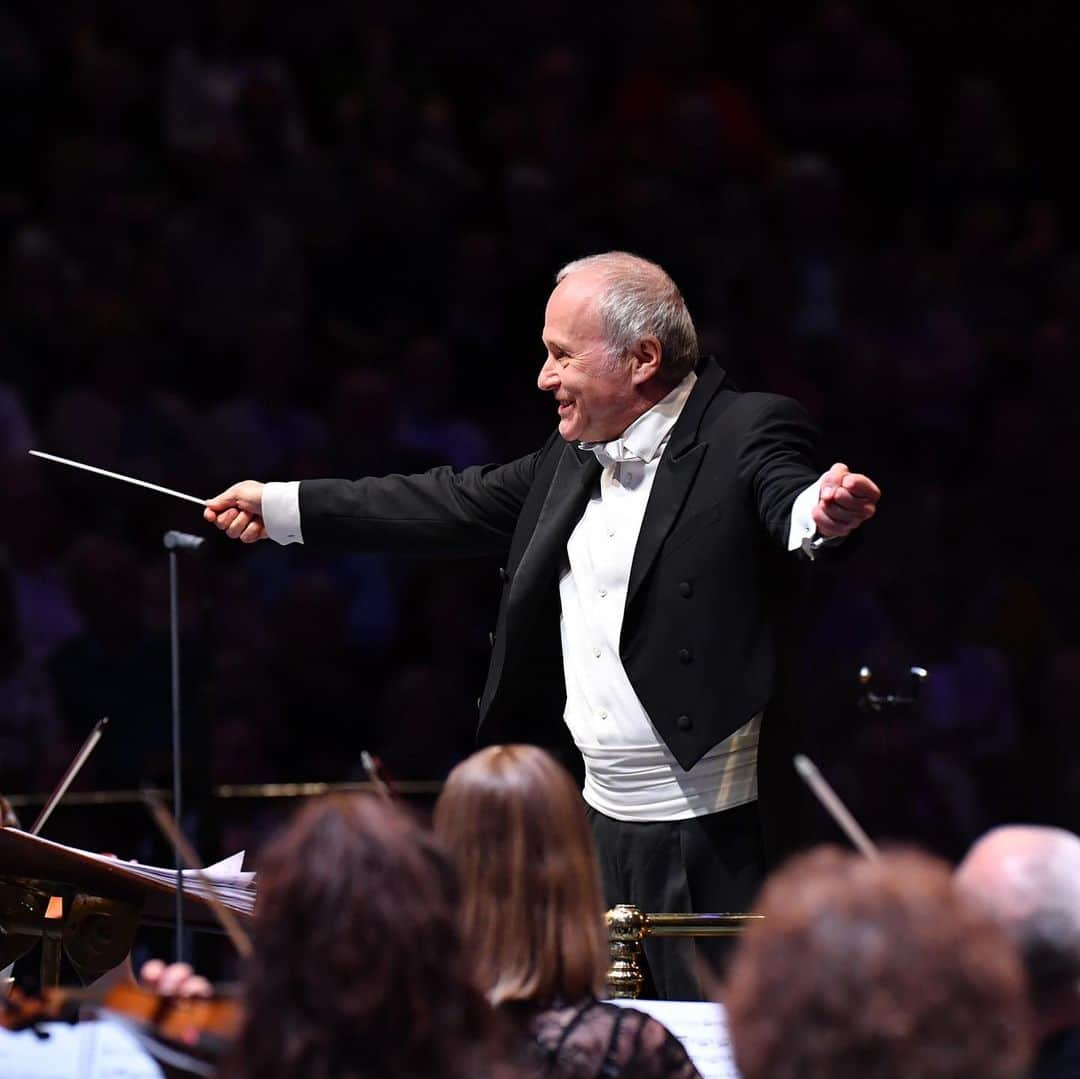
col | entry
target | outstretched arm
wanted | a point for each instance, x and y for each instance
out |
(472, 512)
(794, 501)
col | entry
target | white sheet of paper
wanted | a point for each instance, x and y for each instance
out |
(228, 870)
(702, 1029)
(99, 1049)
(234, 887)
(228, 867)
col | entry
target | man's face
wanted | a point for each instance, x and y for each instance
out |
(594, 393)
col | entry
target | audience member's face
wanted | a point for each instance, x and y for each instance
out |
(28, 513)
(428, 372)
(107, 585)
(594, 393)
(363, 406)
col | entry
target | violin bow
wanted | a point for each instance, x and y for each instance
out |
(69, 775)
(382, 788)
(229, 922)
(839, 812)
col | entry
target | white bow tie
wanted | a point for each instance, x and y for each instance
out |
(612, 453)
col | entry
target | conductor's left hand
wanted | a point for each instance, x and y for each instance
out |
(846, 500)
(237, 511)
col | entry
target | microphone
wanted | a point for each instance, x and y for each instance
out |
(183, 541)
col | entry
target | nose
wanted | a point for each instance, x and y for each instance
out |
(548, 378)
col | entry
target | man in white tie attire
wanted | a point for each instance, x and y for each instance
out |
(653, 550)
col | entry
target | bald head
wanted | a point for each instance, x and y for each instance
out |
(1028, 877)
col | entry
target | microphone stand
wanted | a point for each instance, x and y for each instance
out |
(174, 542)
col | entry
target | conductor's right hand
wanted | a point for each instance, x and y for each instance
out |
(237, 511)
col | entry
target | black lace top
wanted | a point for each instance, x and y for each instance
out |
(594, 1040)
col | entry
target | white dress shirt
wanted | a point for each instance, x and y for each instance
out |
(630, 774)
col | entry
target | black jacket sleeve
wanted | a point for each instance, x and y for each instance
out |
(777, 459)
(440, 512)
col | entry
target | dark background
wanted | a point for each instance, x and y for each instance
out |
(280, 240)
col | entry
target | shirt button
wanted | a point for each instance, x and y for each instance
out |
(684, 723)
(611, 531)
(503, 575)
(596, 652)
(603, 592)
(686, 589)
(685, 655)
(602, 714)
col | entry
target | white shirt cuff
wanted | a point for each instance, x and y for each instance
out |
(803, 532)
(281, 512)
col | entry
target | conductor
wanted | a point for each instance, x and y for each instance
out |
(652, 550)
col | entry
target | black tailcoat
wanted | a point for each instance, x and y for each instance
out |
(713, 588)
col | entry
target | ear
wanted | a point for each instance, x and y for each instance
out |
(646, 356)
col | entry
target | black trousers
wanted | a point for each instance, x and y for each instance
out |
(703, 865)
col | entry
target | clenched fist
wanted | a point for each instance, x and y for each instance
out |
(237, 511)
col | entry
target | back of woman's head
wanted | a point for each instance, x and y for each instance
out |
(879, 968)
(515, 825)
(358, 967)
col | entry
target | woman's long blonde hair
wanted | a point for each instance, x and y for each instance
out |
(533, 921)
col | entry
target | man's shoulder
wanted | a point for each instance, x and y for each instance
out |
(748, 407)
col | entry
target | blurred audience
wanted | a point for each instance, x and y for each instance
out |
(33, 540)
(114, 667)
(31, 733)
(309, 240)
(16, 427)
(428, 425)
(263, 430)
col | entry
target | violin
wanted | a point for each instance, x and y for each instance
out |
(201, 1028)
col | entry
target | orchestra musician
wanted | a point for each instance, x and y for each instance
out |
(1027, 876)
(357, 967)
(527, 929)
(533, 921)
(874, 967)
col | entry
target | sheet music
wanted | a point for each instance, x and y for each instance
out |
(100, 1049)
(702, 1029)
(234, 887)
(228, 867)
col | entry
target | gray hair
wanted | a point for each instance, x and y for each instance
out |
(1032, 884)
(640, 300)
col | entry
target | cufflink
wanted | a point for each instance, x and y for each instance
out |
(811, 544)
